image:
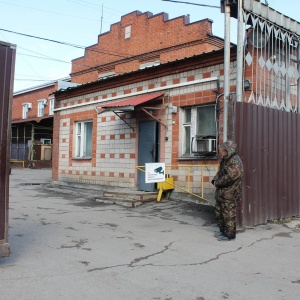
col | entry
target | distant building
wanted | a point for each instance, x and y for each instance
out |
(32, 123)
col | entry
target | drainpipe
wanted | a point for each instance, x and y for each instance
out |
(226, 69)
(298, 81)
(240, 64)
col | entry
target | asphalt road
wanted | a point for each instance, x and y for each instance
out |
(65, 245)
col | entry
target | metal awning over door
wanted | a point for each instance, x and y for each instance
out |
(132, 104)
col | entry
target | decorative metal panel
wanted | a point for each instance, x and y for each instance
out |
(271, 64)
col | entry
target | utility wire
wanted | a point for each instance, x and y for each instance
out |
(46, 58)
(43, 56)
(99, 5)
(64, 43)
(51, 12)
(55, 59)
(21, 79)
(24, 60)
(184, 2)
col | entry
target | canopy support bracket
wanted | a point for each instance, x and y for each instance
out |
(147, 112)
(123, 120)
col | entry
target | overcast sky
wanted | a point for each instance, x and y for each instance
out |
(80, 21)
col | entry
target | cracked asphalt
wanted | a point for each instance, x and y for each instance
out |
(65, 245)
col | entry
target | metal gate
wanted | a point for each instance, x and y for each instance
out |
(268, 140)
(7, 62)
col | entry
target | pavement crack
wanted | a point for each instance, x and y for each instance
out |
(280, 234)
(108, 267)
(150, 255)
(136, 260)
(193, 264)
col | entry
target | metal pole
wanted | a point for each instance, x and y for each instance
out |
(298, 81)
(226, 70)
(240, 63)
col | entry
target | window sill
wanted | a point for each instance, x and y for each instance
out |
(82, 158)
(191, 158)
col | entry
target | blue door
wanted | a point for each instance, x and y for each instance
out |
(148, 151)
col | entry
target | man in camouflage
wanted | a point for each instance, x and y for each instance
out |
(228, 183)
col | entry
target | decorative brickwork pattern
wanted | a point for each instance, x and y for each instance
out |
(154, 38)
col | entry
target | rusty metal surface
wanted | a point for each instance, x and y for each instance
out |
(7, 61)
(268, 141)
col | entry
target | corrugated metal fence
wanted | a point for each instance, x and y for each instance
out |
(7, 62)
(269, 140)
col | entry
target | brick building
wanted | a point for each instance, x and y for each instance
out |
(143, 40)
(151, 94)
(32, 124)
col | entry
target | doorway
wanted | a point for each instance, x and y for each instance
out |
(148, 150)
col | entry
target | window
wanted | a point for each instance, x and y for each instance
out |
(51, 106)
(106, 75)
(199, 127)
(187, 124)
(149, 64)
(206, 123)
(84, 138)
(41, 105)
(26, 107)
(128, 32)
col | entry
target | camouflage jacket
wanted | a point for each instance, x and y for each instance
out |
(228, 180)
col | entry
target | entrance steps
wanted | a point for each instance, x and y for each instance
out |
(127, 198)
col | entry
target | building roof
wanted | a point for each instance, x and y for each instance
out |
(33, 119)
(63, 92)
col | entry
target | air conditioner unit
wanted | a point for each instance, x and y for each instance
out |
(45, 101)
(46, 141)
(204, 145)
(29, 105)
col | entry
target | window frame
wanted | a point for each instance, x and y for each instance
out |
(83, 150)
(51, 106)
(193, 124)
(127, 34)
(25, 110)
(187, 126)
(41, 108)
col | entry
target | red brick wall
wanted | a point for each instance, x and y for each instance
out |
(169, 38)
(31, 97)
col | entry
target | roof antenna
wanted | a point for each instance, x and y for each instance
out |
(101, 20)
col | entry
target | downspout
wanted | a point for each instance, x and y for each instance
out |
(298, 81)
(217, 116)
(226, 69)
(240, 58)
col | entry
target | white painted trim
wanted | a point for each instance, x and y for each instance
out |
(167, 87)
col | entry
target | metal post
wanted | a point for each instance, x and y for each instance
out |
(298, 81)
(226, 70)
(32, 143)
(240, 62)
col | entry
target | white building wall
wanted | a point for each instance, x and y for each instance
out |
(115, 158)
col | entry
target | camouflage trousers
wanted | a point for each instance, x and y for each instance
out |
(226, 217)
